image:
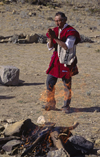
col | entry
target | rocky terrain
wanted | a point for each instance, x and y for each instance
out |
(25, 101)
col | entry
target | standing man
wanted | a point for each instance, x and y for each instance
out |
(63, 64)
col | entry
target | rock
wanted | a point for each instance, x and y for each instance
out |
(2, 37)
(88, 45)
(57, 153)
(41, 120)
(42, 39)
(32, 38)
(9, 75)
(85, 39)
(14, 12)
(10, 145)
(80, 143)
(19, 128)
(97, 142)
(89, 93)
(1, 3)
(32, 14)
(93, 28)
(10, 121)
(13, 129)
(14, 38)
(50, 18)
(98, 152)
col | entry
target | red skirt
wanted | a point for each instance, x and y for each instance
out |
(56, 68)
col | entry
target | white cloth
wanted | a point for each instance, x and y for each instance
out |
(70, 42)
(66, 57)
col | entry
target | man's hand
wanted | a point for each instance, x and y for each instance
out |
(51, 33)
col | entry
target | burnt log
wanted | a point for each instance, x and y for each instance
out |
(57, 142)
(54, 132)
(6, 139)
(40, 135)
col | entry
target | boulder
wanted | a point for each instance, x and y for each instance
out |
(21, 127)
(13, 129)
(10, 145)
(57, 153)
(9, 75)
(32, 38)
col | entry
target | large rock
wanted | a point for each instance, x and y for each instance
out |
(9, 146)
(9, 75)
(19, 128)
(57, 153)
(32, 38)
(13, 129)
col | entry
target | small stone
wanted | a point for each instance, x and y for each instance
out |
(98, 42)
(97, 142)
(41, 120)
(57, 153)
(88, 93)
(10, 121)
(30, 13)
(14, 12)
(9, 145)
(98, 152)
(88, 45)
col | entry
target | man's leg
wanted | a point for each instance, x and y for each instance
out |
(50, 83)
(67, 94)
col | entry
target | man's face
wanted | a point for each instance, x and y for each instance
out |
(59, 21)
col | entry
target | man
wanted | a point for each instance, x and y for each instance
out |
(63, 39)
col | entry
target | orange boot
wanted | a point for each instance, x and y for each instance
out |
(51, 103)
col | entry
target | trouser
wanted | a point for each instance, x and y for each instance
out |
(51, 82)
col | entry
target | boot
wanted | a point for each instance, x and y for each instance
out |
(67, 97)
(65, 109)
(51, 103)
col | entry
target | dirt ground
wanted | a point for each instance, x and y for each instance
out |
(25, 101)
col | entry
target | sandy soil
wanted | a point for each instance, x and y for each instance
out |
(25, 101)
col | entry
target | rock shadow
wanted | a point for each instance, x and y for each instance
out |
(7, 97)
(22, 83)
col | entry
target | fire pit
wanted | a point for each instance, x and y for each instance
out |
(28, 139)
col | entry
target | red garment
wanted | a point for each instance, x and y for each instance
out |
(55, 67)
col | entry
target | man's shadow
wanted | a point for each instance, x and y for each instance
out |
(89, 109)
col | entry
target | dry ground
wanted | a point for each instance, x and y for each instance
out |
(23, 101)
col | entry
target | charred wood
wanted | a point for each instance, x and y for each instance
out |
(6, 139)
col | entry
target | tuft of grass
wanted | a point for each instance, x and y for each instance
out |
(94, 10)
(98, 50)
(20, 101)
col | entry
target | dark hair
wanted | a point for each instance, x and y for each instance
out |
(62, 15)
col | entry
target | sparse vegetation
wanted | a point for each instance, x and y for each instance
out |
(94, 10)
(98, 50)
